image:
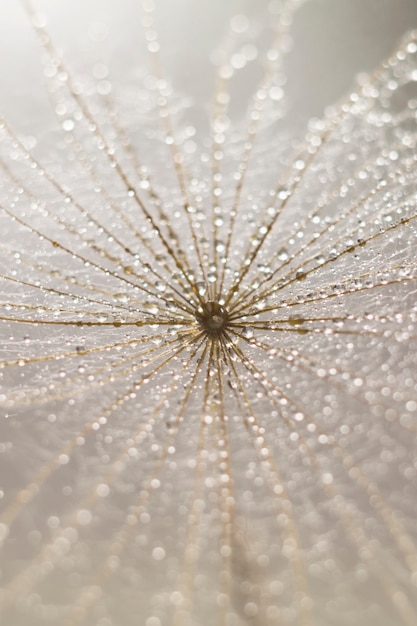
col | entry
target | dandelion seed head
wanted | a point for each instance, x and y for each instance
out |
(208, 358)
(213, 318)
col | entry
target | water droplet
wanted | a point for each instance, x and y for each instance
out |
(68, 125)
(247, 332)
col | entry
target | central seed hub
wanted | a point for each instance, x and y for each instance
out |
(212, 317)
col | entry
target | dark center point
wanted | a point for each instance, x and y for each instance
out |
(212, 317)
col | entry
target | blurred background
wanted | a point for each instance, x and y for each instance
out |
(333, 41)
